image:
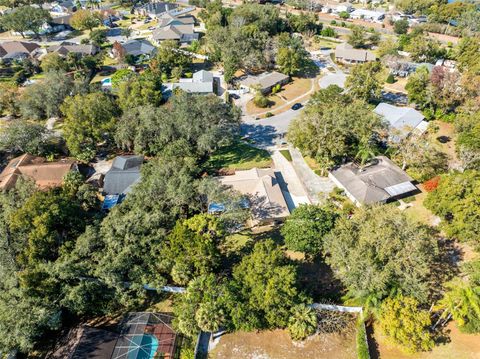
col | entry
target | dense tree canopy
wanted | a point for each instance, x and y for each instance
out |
(88, 120)
(43, 99)
(150, 130)
(305, 228)
(25, 19)
(22, 136)
(334, 128)
(380, 251)
(363, 82)
(406, 325)
(456, 201)
(467, 125)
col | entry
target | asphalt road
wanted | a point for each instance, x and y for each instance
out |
(268, 132)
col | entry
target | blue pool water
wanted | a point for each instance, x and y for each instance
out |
(143, 347)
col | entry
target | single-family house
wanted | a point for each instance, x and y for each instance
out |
(60, 23)
(264, 82)
(347, 54)
(66, 48)
(155, 9)
(44, 174)
(202, 82)
(137, 48)
(402, 121)
(171, 27)
(124, 173)
(368, 15)
(379, 181)
(343, 7)
(262, 188)
(18, 50)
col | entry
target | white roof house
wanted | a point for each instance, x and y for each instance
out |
(369, 15)
(200, 83)
(377, 182)
(402, 121)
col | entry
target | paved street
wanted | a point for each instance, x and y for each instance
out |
(268, 132)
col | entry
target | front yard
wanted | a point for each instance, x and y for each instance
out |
(296, 90)
(239, 156)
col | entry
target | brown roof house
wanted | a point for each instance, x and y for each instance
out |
(12, 50)
(45, 174)
(262, 188)
(171, 27)
(264, 82)
(377, 182)
(347, 54)
(66, 47)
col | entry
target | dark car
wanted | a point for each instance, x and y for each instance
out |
(297, 106)
(234, 96)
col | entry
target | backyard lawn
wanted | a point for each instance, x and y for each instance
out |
(276, 344)
(239, 156)
(460, 346)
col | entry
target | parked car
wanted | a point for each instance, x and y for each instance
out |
(297, 106)
(234, 96)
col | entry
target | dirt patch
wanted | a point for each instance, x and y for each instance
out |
(460, 346)
(277, 344)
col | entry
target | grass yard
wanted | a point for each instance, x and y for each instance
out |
(297, 89)
(460, 346)
(276, 344)
(287, 155)
(239, 156)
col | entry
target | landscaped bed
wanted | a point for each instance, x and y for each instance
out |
(239, 156)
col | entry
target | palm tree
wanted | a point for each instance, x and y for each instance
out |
(365, 153)
(462, 302)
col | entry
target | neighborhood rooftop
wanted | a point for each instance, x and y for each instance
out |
(402, 120)
(264, 190)
(378, 181)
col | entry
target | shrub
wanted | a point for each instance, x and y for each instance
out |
(362, 346)
(269, 114)
(328, 32)
(333, 22)
(432, 184)
(261, 101)
(390, 79)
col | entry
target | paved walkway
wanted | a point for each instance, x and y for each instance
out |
(292, 187)
(318, 188)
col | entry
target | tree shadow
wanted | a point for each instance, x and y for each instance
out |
(261, 135)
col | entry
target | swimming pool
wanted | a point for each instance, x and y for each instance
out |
(143, 347)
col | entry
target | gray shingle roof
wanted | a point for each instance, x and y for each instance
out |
(123, 174)
(138, 47)
(347, 52)
(377, 182)
(265, 80)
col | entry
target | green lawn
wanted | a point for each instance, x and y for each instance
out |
(287, 155)
(239, 156)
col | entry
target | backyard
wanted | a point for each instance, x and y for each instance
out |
(277, 344)
(459, 346)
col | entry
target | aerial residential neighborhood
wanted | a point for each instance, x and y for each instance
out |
(271, 179)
